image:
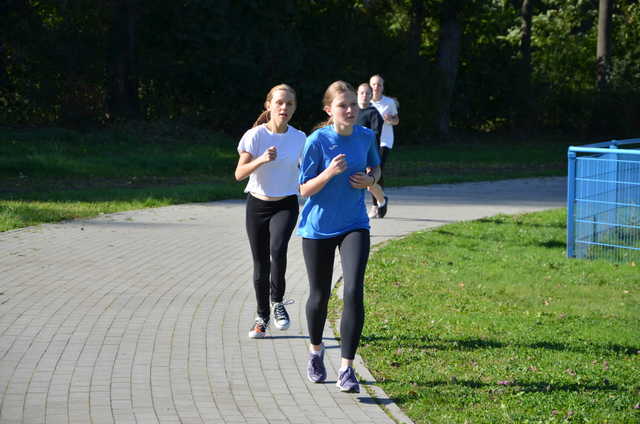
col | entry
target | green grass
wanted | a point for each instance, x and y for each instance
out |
(53, 174)
(49, 175)
(38, 208)
(489, 322)
(119, 152)
(477, 159)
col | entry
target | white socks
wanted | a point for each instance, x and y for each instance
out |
(317, 352)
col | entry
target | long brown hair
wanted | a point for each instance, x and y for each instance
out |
(335, 88)
(265, 116)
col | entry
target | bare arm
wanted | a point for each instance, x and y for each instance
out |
(362, 180)
(337, 166)
(247, 164)
(376, 173)
(392, 119)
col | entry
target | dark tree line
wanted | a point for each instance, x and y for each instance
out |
(468, 64)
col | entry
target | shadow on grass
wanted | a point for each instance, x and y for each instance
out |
(418, 388)
(509, 221)
(553, 244)
(477, 344)
(614, 348)
(514, 240)
(423, 343)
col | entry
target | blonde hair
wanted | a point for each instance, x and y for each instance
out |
(265, 116)
(365, 84)
(376, 76)
(335, 88)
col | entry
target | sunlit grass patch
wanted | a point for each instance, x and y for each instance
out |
(39, 208)
(488, 322)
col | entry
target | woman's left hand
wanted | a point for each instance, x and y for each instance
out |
(361, 180)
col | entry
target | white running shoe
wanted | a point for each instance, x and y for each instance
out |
(280, 315)
(373, 212)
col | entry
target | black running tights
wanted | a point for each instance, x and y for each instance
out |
(319, 255)
(269, 227)
(384, 155)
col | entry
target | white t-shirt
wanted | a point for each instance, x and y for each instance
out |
(279, 177)
(386, 105)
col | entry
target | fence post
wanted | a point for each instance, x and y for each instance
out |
(617, 188)
(571, 197)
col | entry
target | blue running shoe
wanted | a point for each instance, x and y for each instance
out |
(316, 372)
(347, 381)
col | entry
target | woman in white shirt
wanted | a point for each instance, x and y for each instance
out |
(269, 156)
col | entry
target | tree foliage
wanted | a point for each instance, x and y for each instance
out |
(212, 62)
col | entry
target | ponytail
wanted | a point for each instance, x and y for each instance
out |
(264, 117)
(322, 124)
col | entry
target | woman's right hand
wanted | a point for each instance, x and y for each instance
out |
(269, 155)
(338, 165)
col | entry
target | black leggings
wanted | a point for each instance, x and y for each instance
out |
(319, 255)
(384, 155)
(269, 227)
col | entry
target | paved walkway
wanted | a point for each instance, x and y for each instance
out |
(142, 317)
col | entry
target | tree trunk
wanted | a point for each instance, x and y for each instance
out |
(604, 44)
(448, 58)
(418, 14)
(122, 98)
(525, 41)
(524, 99)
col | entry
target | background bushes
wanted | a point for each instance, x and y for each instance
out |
(209, 63)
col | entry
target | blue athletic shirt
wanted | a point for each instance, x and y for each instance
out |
(338, 208)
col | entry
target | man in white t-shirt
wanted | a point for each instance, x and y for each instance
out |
(388, 108)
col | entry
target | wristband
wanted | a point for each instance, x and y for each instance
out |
(373, 180)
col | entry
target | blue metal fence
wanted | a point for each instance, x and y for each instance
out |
(603, 201)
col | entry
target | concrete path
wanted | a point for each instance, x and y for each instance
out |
(142, 317)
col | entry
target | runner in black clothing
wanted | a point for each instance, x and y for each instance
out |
(370, 117)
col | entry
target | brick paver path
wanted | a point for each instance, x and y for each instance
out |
(142, 317)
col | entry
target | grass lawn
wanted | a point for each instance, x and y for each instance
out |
(489, 322)
(52, 174)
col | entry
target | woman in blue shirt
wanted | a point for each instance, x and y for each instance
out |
(334, 181)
